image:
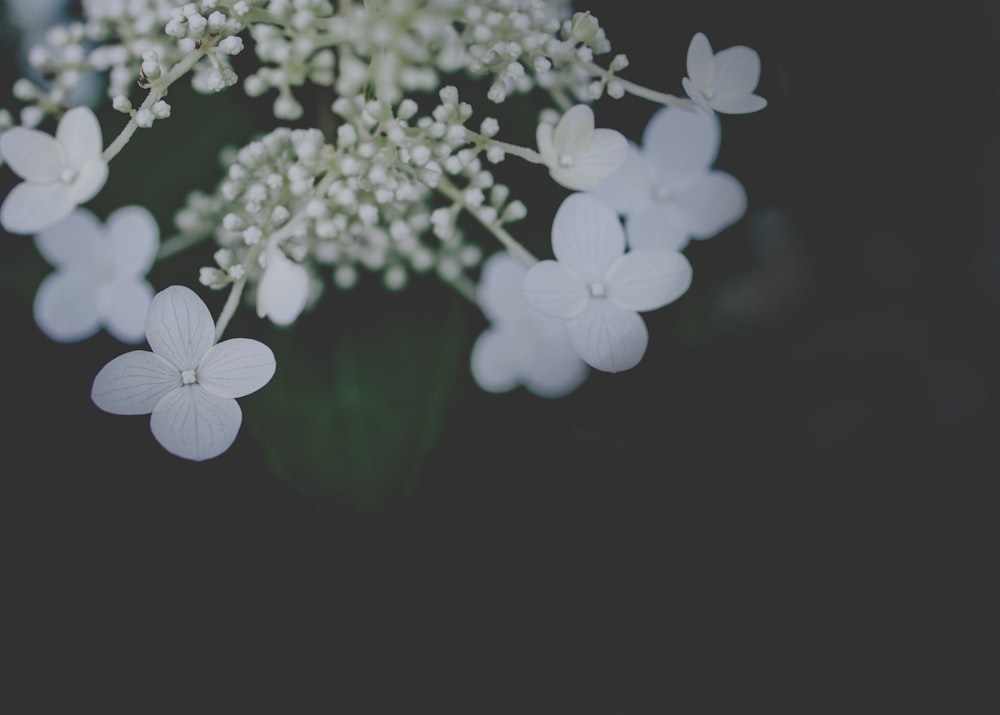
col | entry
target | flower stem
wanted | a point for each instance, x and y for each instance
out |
(156, 92)
(494, 227)
(638, 90)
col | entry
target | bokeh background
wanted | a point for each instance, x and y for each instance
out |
(782, 509)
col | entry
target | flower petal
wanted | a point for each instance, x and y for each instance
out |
(696, 95)
(700, 61)
(79, 133)
(681, 144)
(179, 327)
(555, 290)
(33, 155)
(543, 137)
(65, 306)
(660, 227)
(90, 181)
(30, 208)
(500, 291)
(283, 289)
(587, 236)
(555, 369)
(737, 70)
(711, 204)
(609, 337)
(647, 280)
(628, 188)
(574, 178)
(236, 367)
(604, 155)
(738, 103)
(134, 237)
(123, 306)
(494, 360)
(133, 383)
(73, 242)
(194, 424)
(575, 130)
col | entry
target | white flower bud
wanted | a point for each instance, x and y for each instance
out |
(144, 118)
(121, 104)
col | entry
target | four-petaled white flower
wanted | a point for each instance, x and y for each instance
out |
(283, 289)
(667, 190)
(598, 288)
(99, 279)
(188, 382)
(521, 346)
(724, 81)
(579, 156)
(59, 172)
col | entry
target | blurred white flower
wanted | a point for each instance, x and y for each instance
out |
(579, 156)
(724, 81)
(100, 277)
(521, 346)
(59, 172)
(188, 382)
(598, 288)
(667, 190)
(283, 289)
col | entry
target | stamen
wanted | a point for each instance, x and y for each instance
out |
(189, 377)
(596, 290)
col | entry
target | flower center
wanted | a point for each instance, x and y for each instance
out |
(661, 194)
(596, 289)
(68, 176)
(189, 377)
(565, 160)
(708, 93)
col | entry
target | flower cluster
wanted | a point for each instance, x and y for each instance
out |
(398, 178)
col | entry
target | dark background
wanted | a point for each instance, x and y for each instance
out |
(783, 509)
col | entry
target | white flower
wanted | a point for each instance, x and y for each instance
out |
(667, 190)
(59, 172)
(521, 346)
(188, 382)
(99, 279)
(598, 289)
(283, 289)
(723, 81)
(579, 156)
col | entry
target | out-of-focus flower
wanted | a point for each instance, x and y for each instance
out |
(521, 346)
(667, 190)
(100, 275)
(283, 289)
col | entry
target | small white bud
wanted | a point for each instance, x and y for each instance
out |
(144, 118)
(121, 104)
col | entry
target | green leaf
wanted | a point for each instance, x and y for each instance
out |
(361, 394)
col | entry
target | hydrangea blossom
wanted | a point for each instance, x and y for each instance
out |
(667, 189)
(392, 178)
(577, 154)
(188, 382)
(724, 81)
(59, 172)
(99, 279)
(598, 288)
(521, 346)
